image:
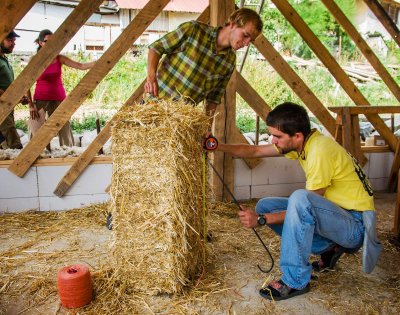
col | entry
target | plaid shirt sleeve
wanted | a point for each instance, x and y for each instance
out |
(215, 95)
(172, 40)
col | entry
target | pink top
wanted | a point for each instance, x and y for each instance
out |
(49, 86)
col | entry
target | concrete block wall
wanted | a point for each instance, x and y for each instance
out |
(273, 177)
(280, 177)
(35, 189)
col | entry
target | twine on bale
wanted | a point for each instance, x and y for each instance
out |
(156, 196)
(74, 285)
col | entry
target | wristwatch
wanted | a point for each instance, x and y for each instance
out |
(261, 220)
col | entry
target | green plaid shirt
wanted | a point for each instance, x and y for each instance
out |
(192, 68)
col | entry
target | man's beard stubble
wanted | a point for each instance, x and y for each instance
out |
(6, 50)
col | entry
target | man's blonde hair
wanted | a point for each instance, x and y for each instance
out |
(243, 16)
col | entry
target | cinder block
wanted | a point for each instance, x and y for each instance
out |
(12, 186)
(94, 180)
(277, 170)
(281, 190)
(242, 192)
(70, 202)
(381, 163)
(19, 204)
(242, 173)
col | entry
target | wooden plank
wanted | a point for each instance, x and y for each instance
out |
(86, 157)
(367, 109)
(11, 12)
(355, 134)
(384, 18)
(333, 67)
(251, 97)
(363, 46)
(220, 11)
(81, 163)
(396, 225)
(230, 127)
(45, 56)
(295, 83)
(61, 161)
(65, 110)
(394, 170)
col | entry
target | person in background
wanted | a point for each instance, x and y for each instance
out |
(8, 131)
(199, 59)
(50, 91)
(334, 214)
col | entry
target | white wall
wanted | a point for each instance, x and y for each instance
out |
(273, 177)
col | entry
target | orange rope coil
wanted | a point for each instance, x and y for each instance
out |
(74, 286)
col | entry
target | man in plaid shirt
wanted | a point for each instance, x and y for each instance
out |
(199, 59)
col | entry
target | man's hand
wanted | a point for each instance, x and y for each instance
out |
(151, 86)
(248, 217)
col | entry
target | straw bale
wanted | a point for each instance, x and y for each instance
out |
(156, 195)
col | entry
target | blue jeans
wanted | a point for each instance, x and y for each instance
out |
(312, 224)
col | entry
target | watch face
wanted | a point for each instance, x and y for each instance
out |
(261, 220)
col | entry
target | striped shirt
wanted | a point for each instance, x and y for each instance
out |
(192, 67)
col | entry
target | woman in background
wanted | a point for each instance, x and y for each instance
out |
(50, 91)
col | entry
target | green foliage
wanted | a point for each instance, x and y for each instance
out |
(320, 21)
(22, 124)
(87, 123)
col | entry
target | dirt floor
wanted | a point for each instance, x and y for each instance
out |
(35, 245)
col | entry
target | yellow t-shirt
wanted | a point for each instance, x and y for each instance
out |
(327, 164)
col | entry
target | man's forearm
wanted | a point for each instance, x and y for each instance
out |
(152, 63)
(276, 217)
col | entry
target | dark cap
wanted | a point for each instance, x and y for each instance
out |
(12, 35)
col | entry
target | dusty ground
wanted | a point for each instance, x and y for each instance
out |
(35, 245)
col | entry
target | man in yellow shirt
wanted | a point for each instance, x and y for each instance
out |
(332, 215)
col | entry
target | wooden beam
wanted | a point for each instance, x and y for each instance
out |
(396, 224)
(86, 157)
(65, 110)
(334, 68)
(295, 83)
(368, 109)
(220, 11)
(384, 18)
(363, 46)
(45, 56)
(11, 12)
(251, 97)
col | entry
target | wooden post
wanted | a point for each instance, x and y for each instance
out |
(11, 12)
(65, 110)
(396, 226)
(220, 11)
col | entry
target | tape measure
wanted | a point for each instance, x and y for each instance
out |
(211, 143)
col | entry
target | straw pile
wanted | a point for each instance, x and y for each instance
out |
(156, 195)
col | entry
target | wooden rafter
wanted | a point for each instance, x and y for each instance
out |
(65, 110)
(45, 56)
(385, 19)
(252, 98)
(11, 12)
(86, 157)
(363, 46)
(295, 82)
(334, 68)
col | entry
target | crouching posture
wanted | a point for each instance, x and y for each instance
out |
(334, 214)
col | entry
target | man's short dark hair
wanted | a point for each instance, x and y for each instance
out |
(289, 118)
